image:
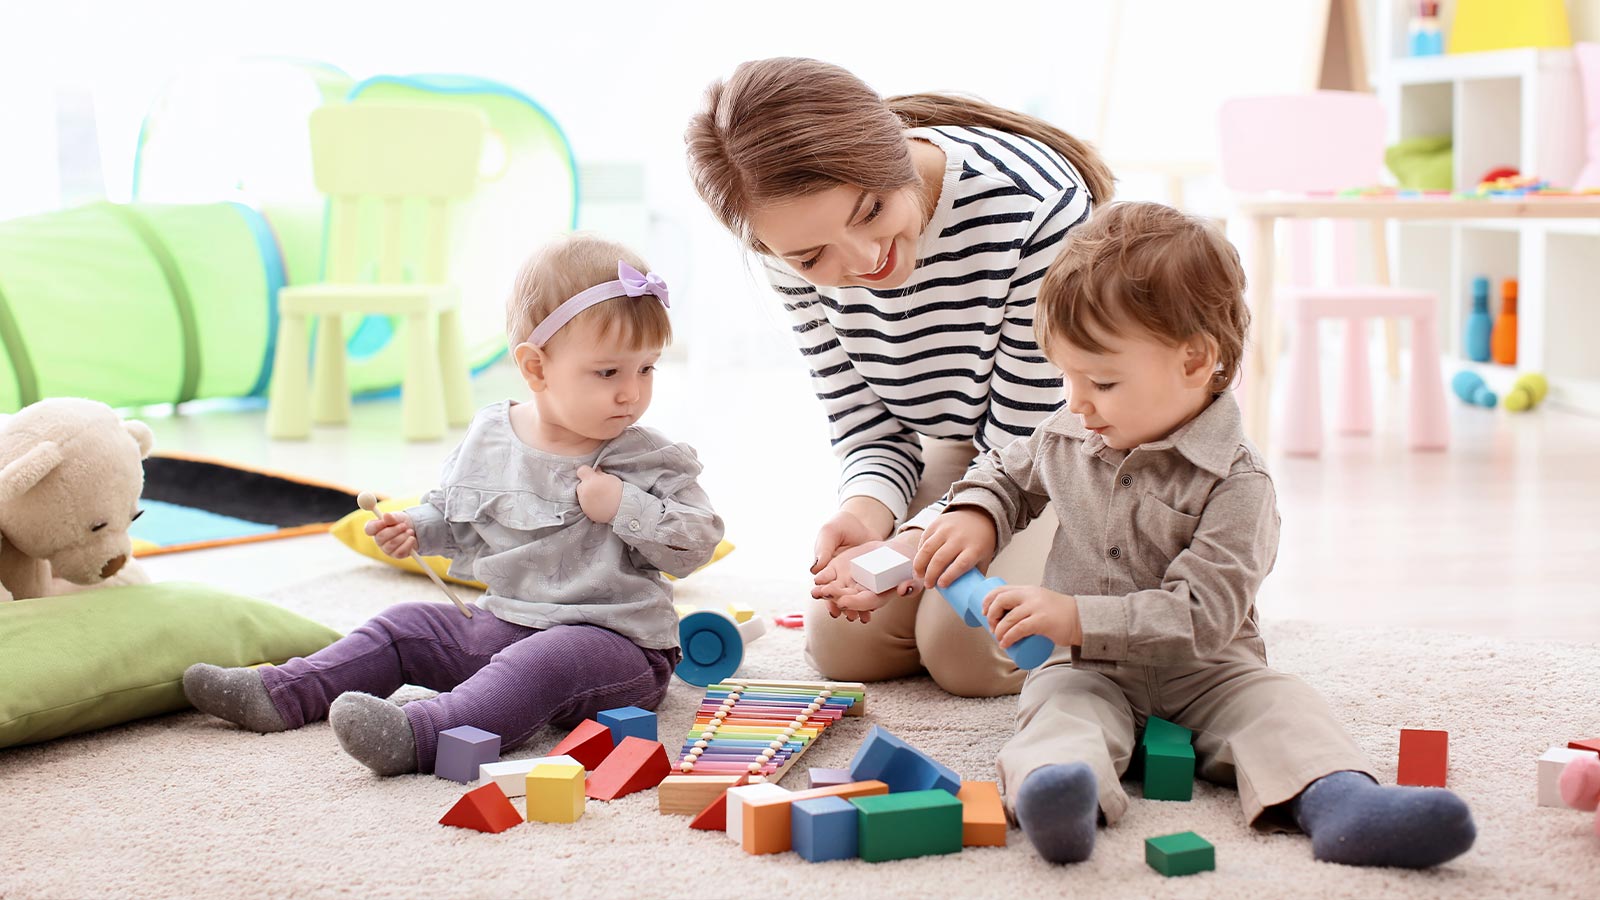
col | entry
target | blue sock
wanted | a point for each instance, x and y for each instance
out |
(1058, 807)
(1355, 821)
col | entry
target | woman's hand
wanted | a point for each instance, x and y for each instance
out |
(859, 520)
(599, 494)
(958, 540)
(1016, 611)
(841, 593)
(394, 534)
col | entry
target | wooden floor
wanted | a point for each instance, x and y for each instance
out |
(1499, 536)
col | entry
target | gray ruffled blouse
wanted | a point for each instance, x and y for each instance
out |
(507, 514)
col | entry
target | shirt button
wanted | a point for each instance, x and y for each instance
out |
(633, 524)
(1126, 480)
(1116, 552)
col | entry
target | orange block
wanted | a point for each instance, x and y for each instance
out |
(715, 816)
(983, 819)
(1424, 757)
(483, 809)
(766, 820)
(636, 765)
(590, 743)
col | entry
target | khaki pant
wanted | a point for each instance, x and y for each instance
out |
(1266, 731)
(910, 634)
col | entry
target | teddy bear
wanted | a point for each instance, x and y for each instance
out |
(71, 473)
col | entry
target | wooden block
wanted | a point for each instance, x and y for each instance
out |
(767, 819)
(1591, 744)
(737, 797)
(1424, 757)
(512, 774)
(1551, 765)
(687, 795)
(590, 743)
(1159, 731)
(483, 809)
(915, 823)
(1168, 772)
(1180, 854)
(823, 828)
(741, 613)
(636, 765)
(884, 757)
(715, 816)
(983, 817)
(629, 721)
(461, 750)
(555, 793)
(881, 569)
(828, 777)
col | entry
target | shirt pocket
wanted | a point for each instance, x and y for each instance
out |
(1162, 534)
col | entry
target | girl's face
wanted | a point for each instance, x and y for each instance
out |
(845, 236)
(590, 386)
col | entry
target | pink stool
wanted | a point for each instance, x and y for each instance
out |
(1429, 417)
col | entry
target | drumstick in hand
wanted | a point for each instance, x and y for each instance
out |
(369, 502)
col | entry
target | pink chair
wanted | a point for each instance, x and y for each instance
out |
(1327, 141)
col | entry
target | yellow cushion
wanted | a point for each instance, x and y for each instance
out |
(350, 531)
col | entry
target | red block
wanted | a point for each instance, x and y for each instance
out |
(589, 744)
(1591, 744)
(483, 809)
(715, 816)
(1424, 757)
(635, 765)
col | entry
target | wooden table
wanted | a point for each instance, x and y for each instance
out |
(1261, 214)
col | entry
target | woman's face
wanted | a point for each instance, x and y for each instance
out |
(845, 236)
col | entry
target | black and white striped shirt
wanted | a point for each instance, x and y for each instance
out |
(951, 353)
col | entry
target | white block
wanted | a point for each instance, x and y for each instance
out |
(736, 798)
(881, 569)
(1550, 765)
(512, 774)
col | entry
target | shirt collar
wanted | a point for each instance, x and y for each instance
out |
(1210, 440)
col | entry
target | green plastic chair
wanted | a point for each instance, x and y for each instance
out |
(390, 173)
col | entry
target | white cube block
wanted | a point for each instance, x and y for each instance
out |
(512, 774)
(736, 798)
(881, 569)
(1550, 765)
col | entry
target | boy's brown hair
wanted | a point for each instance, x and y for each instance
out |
(1152, 267)
(569, 265)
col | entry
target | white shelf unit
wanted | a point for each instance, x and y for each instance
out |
(1523, 109)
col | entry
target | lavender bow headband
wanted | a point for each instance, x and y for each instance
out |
(630, 282)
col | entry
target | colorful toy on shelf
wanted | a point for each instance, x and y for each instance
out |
(965, 595)
(1424, 757)
(1479, 325)
(1503, 342)
(1527, 392)
(1469, 386)
(1580, 786)
(1180, 854)
(1426, 38)
(1504, 24)
(713, 644)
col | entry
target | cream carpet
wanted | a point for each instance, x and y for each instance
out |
(187, 806)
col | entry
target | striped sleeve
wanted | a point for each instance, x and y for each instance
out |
(880, 457)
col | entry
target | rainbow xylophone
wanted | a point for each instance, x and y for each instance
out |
(752, 730)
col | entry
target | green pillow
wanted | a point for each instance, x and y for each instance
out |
(102, 657)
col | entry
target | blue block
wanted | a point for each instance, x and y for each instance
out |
(462, 750)
(823, 828)
(886, 758)
(628, 721)
(965, 595)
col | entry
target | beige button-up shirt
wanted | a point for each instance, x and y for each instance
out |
(1164, 545)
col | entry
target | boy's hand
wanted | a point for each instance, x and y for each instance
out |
(958, 540)
(599, 494)
(836, 587)
(394, 534)
(1016, 611)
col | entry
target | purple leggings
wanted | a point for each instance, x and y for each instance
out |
(491, 674)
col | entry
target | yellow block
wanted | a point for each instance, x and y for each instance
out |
(1504, 24)
(741, 613)
(555, 793)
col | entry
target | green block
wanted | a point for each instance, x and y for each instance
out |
(1180, 854)
(1159, 731)
(913, 823)
(1168, 772)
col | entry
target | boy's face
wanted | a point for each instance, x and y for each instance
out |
(1139, 390)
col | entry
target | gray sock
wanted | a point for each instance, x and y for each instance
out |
(1058, 807)
(233, 694)
(1357, 822)
(375, 732)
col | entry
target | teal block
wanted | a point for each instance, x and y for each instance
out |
(1180, 854)
(1159, 731)
(1168, 772)
(901, 826)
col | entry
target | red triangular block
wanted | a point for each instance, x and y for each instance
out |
(590, 743)
(715, 816)
(483, 809)
(636, 764)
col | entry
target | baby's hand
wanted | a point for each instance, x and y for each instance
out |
(599, 494)
(1016, 611)
(958, 540)
(395, 535)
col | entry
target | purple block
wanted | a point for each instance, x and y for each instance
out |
(821, 778)
(462, 750)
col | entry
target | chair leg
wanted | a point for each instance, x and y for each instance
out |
(1430, 416)
(288, 407)
(1355, 403)
(1391, 347)
(421, 399)
(1303, 421)
(453, 369)
(330, 389)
